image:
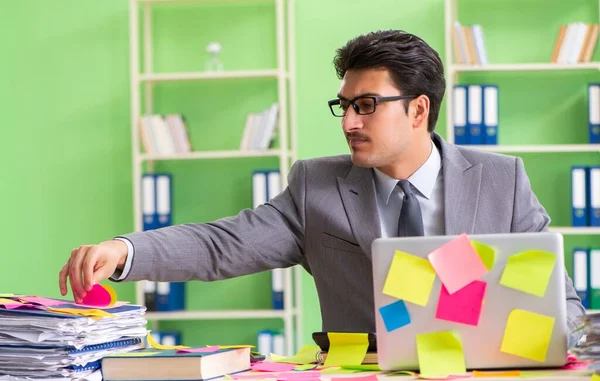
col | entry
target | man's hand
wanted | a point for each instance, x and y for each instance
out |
(90, 264)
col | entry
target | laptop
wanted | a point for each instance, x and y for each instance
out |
(397, 349)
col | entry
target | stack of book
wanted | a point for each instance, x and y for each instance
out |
(575, 43)
(259, 129)
(45, 338)
(166, 135)
(469, 45)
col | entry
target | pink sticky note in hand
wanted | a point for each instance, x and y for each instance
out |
(464, 306)
(457, 263)
(98, 296)
(212, 349)
(266, 366)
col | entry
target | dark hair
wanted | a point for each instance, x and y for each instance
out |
(414, 66)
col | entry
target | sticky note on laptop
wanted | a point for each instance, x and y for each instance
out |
(346, 348)
(527, 334)
(457, 263)
(529, 271)
(464, 306)
(486, 253)
(409, 278)
(440, 354)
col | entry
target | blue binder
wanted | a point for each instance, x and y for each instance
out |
(170, 338)
(149, 217)
(594, 196)
(490, 114)
(579, 197)
(163, 199)
(581, 275)
(460, 104)
(475, 115)
(594, 112)
(170, 296)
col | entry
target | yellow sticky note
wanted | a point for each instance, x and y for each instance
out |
(527, 334)
(135, 354)
(156, 345)
(6, 295)
(486, 253)
(410, 278)
(595, 377)
(306, 355)
(89, 312)
(346, 348)
(440, 354)
(9, 301)
(233, 346)
(529, 271)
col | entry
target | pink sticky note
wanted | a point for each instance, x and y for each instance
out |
(255, 376)
(98, 296)
(266, 366)
(212, 349)
(457, 263)
(464, 306)
(372, 377)
(43, 301)
(298, 375)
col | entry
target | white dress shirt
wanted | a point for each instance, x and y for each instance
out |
(429, 184)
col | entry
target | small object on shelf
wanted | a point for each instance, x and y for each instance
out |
(214, 63)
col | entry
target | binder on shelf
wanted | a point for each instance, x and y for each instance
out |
(594, 196)
(149, 295)
(264, 341)
(170, 296)
(170, 338)
(273, 184)
(595, 278)
(163, 199)
(581, 275)
(579, 198)
(490, 114)
(259, 188)
(278, 343)
(475, 115)
(277, 281)
(460, 114)
(149, 216)
(594, 112)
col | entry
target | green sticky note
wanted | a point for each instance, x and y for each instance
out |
(409, 278)
(6, 295)
(527, 334)
(440, 354)
(486, 253)
(361, 368)
(529, 271)
(306, 355)
(346, 348)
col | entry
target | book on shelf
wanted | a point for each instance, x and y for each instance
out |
(164, 135)
(259, 129)
(575, 43)
(154, 364)
(469, 45)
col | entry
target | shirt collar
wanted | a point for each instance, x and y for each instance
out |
(423, 179)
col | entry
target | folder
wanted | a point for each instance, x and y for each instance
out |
(579, 196)
(170, 338)
(475, 115)
(259, 188)
(279, 343)
(150, 295)
(149, 202)
(594, 196)
(594, 112)
(273, 184)
(490, 114)
(170, 296)
(264, 340)
(277, 281)
(460, 114)
(163, 199)
(595, 278)
(581, 272)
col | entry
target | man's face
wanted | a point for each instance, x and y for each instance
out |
(383, 137)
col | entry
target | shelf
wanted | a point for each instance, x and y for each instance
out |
(204, 1)
(198, 76)
(212, 155)
(525, 67)
(217, 315)
(573, 230)
(538, 148)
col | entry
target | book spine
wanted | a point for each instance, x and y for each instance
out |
(99, 347)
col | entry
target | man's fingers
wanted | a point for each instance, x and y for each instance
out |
(62, 278)
(75, 273)
(89, 265)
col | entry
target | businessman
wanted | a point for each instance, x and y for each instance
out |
(400, 179)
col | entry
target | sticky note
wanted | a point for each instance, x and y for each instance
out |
(134, 354)
(156, 345)
(457, 264)
(43, 301)
(234, 346)
(99, 296)
(409, 278)
(210, 349)
(94, 313)
(346, 348)
(10, 304)
(464, 306)
(372, 377)
(301, 367)
(394, 315)
(595, 377)
(508, 373)
(363, 367)
(486, 253)
(306, 355)
(529, 271)
(267, 366)
(440, 354)
(527, 334)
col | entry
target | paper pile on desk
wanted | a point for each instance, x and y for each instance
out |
(589, 348)
(44, 338)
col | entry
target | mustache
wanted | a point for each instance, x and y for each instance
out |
(356, 136)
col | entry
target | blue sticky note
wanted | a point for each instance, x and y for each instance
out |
(395, 315)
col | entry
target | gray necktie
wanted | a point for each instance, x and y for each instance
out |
(410, 222)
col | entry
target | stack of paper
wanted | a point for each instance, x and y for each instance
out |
(44, 338)
(589, 347)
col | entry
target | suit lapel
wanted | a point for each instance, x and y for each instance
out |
(462, 182)
(358, 194)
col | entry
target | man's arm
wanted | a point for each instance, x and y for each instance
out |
(530, 216)
(270, 236)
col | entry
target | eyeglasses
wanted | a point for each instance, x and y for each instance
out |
(363, 105)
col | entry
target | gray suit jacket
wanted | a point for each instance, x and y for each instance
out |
(326, 220)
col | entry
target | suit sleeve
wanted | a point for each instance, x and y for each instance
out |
(268, 237)
(530, 216)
